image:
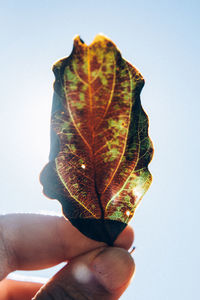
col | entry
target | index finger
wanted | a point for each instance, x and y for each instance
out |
(40, 241)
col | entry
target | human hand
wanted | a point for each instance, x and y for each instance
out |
(32, 242)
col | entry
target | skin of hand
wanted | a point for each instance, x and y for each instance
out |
(93, 270)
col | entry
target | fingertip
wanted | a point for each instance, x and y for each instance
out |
(125, 239)
(114, 268)
(103, 273)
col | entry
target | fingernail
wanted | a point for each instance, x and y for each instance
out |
(113, 268)
(132, 250)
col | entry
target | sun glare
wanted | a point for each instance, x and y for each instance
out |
(137, 192)
(81, 273)
(36, 132)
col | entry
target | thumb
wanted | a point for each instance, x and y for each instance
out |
(103, 273)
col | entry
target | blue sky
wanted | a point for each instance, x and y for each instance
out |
(161, 39)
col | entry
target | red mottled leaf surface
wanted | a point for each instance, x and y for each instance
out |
(100, 148)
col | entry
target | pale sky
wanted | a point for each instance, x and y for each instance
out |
(161, 39)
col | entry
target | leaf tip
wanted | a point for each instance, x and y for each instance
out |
(99, 38)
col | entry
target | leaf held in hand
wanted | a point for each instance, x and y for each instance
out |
(100, 148)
